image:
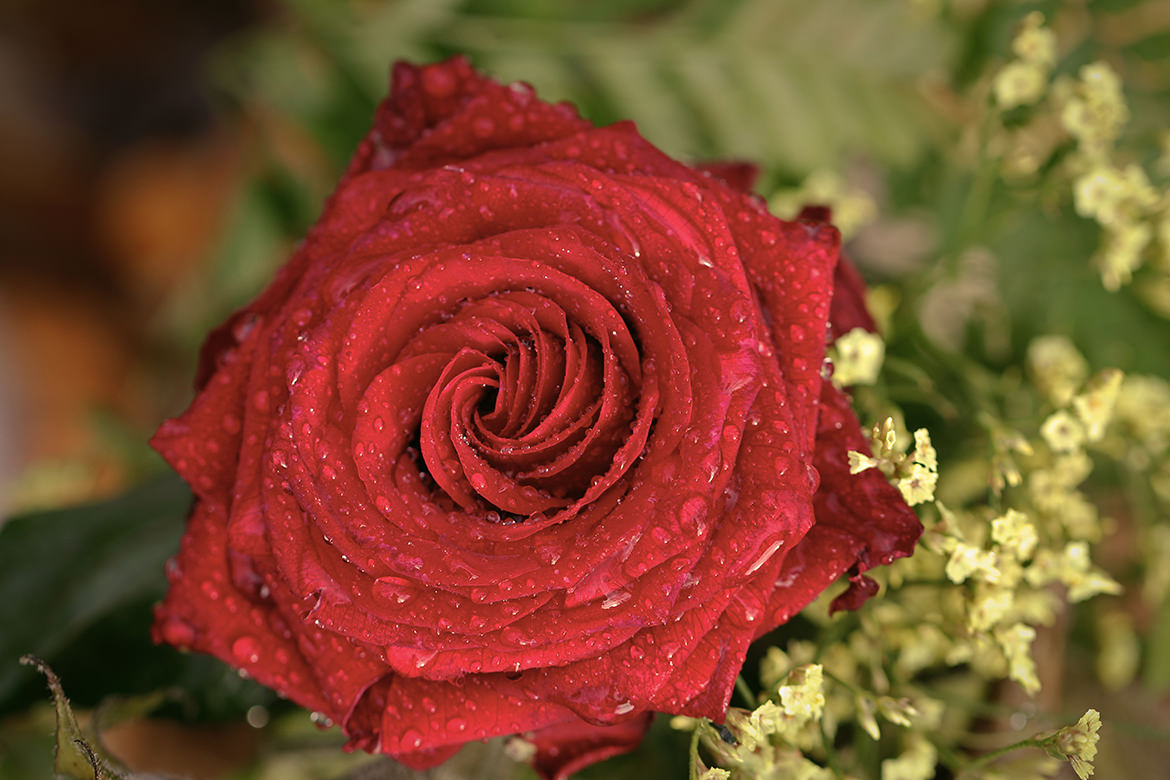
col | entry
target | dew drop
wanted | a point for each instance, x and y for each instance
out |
(615, 599)
(246, 650)
(178, 632)
(764, 557)
(691, 515)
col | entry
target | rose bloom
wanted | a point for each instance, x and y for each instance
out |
(530, 436)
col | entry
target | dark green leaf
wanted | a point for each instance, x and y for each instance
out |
(62, 572)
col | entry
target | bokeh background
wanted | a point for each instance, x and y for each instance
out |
(160, 159)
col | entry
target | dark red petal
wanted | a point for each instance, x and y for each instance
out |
(740, 176)
(862, 520)
(205, 611)
(861, 589)
(848, 309)
(442, 113)
(565, 748)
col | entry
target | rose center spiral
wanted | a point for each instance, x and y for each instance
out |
(525, 426)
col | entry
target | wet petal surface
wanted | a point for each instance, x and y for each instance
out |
(528, 437)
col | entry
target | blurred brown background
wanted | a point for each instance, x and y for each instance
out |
(117, 170)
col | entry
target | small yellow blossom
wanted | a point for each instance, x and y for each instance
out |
(918, 762)
(1078, 743)
(1013, 532)
(897, 711)
(1063, 432)
(1094, 110)
(866, 716)
(859, 461)
(1091, 583)
(885, 438)
(791, 765)
(1016, 643)
(1072, 567)
(1034, 42)
(715, 773)
(1143, 407)
(1095, 405)
(1071, 469)
(924, 452)
(1122, 251)
(760, 724)
(1057, 367)
(918, 486)
(1024, 80)
(859, 356)
(802, 695)
(967, 560)
(1019, 84)
(990, 605)
(1099, 194)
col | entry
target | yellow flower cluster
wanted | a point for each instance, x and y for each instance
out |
(1077, 743)
(1091, 109)
(857, 358)
(973, 597)
(1118, 195)
(767, 741)
(914, 473)
(1024, 80)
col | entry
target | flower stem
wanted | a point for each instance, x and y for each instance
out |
(745, 692)
(693, 772)
(987, 758)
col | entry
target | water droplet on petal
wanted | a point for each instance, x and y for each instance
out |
(246, 650)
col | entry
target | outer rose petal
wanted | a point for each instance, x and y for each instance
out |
(740, 176)
(565, 748)
(525, 438)
(861, 520)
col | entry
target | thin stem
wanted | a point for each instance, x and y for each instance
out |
(987, 758)
(830, 754)
(745, 692)
(694, 757)
(950, 759)
(843, 683)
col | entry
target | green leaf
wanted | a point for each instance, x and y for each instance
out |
(61, 572)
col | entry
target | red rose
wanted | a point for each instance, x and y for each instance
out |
(525, 438)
